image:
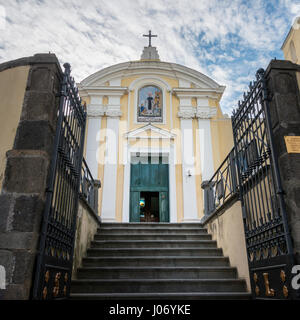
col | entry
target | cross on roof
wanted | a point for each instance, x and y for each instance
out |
(149, 36)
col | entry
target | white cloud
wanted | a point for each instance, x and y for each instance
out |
(98, 33)
(2, 17)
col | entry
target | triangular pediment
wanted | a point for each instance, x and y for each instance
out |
(149, 131)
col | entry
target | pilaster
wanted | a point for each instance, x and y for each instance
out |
(204, 113)
(113, 113)
(95, 112)
(186, 114)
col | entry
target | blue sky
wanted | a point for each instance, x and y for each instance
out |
(226, 40)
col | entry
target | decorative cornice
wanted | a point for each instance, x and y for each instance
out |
(151, 79)
(186, 112)
(193, 91)
(159, 68)
(136, 133)
(189, 112)
(113, 111)
(95, 110)
(205, 112)
(185, 93)
(102, 91)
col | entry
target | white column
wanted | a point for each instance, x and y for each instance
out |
(126, 185)
(172, 185)
(113, 113)
(187, 113)
(204, 114)
(206, 153)
(95, 111)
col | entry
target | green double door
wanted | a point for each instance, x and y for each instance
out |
(149, 186)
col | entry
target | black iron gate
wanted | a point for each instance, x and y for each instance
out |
(268, 242)
(54, 260)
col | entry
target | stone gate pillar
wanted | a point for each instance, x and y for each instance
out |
(283, 83)
(22, 197)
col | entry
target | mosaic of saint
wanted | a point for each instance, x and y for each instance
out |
(150, 104)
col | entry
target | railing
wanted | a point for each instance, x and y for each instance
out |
(222, 186)
(269, 247)
(89, 187)
(56, 247)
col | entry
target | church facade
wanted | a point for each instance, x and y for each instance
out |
(155, 132)
(291, 44)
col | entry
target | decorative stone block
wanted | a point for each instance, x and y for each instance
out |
(40, 106)
(17, 240)
(6, 202)
(27, 213)
(26, 171)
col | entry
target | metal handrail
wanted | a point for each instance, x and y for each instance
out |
(89, 186)
(222, 185)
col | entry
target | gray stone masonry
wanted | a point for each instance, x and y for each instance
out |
(284, 105)
(23, 196)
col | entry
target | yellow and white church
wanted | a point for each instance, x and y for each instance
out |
(155, 132)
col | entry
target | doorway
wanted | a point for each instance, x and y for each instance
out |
(149, 191)
(149, 206)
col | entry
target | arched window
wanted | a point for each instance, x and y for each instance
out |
(293, 52)
(150, 104)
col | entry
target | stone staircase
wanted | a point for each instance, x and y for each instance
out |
(156, 261)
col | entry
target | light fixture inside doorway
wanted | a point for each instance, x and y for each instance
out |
(142, 202)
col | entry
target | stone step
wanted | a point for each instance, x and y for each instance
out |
(156, 261)
(157, 273)
(153, 244)
(154, 285)
(140, 236)
(117, 252)
(184, 261)
(150, 225)
(105, 231)
(163, 296)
